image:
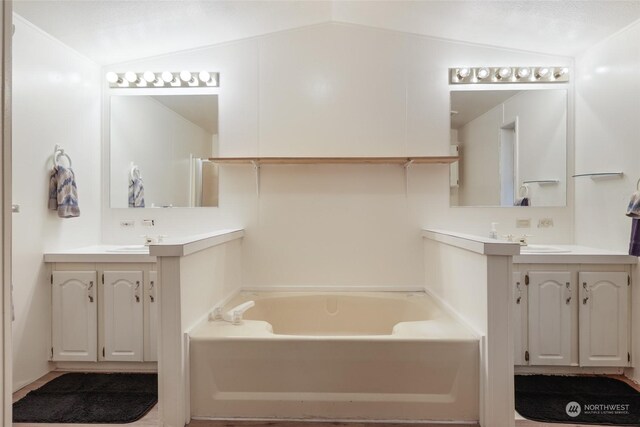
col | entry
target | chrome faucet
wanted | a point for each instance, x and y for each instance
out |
(234, 315)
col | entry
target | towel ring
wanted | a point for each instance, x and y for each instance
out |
(57, 153)
(526, 191)
(134, 172)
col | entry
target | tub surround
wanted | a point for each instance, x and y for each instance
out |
(471, 276)
(478, 244)
(191, 244)
(196, 273)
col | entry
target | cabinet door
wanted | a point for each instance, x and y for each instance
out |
(74, 320)
(519, 306)
(151, 318)
(604, 319)
(550, 305)
(122, 328)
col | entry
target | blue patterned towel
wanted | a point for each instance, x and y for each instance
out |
(633, 210)
(63, 192)
(634, 241)
(136, 192)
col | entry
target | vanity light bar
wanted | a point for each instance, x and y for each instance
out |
(475, 75)
(131, 79)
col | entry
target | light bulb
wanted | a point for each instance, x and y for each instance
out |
(504, 73)
(463, 73)
(204, 76)
(523, 73)
(131, 77)
(483, 73)
(150, 76)
(561, 72)
(113, 78)
(167, 76)
(542, 73)
(185, 76)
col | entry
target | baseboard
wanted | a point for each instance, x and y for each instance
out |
(567, 370)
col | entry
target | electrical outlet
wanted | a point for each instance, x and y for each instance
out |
(148, 222)
(545, 222)
(127, 223)
(523, 222)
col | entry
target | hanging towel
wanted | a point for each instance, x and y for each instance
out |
(522, 202)
(63, 192)
(634, 243)
(136, 192)
(633, 210)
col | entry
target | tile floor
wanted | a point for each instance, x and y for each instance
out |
(151, 418)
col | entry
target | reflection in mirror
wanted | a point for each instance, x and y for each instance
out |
(512, 148)
(159, 151)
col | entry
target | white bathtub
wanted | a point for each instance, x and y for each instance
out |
(349, 356)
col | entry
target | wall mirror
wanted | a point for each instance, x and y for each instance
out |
(159, 151)
(512, 146)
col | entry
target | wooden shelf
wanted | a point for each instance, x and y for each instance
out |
(334, 160)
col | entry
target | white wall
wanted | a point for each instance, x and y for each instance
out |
(56, 100)
(607, 112)
(159, 141)
(335, 90)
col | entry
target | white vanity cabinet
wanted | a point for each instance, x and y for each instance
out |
(549, 317)
(104, 312)
(151, 318)
(604, 318)
(571, 314)
(74, 316)
(122, 308)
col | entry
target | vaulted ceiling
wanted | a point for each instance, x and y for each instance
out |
(111, 31)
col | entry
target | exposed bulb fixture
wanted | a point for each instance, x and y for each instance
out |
(483, 73)
(186, 77)
(542, 73)
(113, 78)
(168, 77)
(204, 76)
(523, 73)
(560, 72)
(463, 73)
(150, 77)
(131, 77)
(504, 73)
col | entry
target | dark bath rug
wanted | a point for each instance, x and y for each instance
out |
(577, 399)
(89, 398)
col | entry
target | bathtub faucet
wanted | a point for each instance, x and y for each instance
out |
(235, 314)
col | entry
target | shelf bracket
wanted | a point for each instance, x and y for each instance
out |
(406, 175)
(256, 169)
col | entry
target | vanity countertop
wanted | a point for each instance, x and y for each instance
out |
(98, 253)
(181, 246)
(576, 255)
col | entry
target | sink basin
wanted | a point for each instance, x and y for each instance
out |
(139, 249)
(542, 249)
